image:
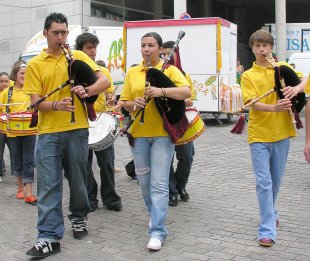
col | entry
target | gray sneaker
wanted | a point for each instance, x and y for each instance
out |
(79, 228)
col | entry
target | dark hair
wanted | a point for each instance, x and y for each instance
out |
(101, 63)
(84, 38)
(156, 36)
(169, 44)
(261, 36)
(4, 73)
(58, 18)
(15, 69)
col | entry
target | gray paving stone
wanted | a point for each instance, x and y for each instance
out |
(218, 223)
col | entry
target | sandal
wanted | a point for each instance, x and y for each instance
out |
(20, 194)
(31, 200)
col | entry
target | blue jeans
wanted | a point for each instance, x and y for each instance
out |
(23, 156)
(178, 178)
(105, 160)
(269, 160)
(54, 152)
(152, 157)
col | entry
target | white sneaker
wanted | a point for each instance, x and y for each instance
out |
(154, 244)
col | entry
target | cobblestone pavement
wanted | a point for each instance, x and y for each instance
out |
(218, 223)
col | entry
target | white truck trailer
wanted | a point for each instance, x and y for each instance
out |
(208, 53)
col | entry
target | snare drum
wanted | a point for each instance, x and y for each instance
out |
(103, 131)
(3, 123)
(195, 129)
(18, 124)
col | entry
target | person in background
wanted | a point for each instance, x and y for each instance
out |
(88, 43)
(153, 149)
(4, 83)
(61, 145)
(269, 133)
(21, 146)
(239, 70)
(184, 153)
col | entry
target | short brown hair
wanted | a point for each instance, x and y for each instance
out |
(17, 65)
(261, 36)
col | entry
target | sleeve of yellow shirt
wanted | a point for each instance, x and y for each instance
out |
(307, 88)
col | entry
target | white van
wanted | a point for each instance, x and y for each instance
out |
(110, 48)
(301, 62)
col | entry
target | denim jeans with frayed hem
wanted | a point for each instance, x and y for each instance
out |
(152, 157)
(269, 160)
(55, 152)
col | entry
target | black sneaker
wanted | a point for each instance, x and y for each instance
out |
(93, 208)
(116, 208)
(79, 228)
(184, 195)
(173, 200)
(44, 248)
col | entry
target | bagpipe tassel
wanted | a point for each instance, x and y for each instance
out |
(240, 125)
(90, 111)
(34, 119)
(176, 130)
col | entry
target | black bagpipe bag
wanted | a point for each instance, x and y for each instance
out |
(290, 79)
(177, 107)
(171, 110)
(83, 75)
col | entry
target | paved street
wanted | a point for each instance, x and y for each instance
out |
(218, 223)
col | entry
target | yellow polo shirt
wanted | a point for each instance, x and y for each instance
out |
(264, 126)
(45, 73)
(101, 100)
(134, 86)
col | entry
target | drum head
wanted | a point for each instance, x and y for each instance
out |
(100, 128)
(191, 115)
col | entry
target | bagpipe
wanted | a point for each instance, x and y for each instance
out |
(283, 76)
(79, 73)
(171, 110)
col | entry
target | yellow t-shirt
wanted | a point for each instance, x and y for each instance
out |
(45, 73)
(264, 126)
(307, 88)
(101, 100)
(18, 96)
(134, 86)
(191, 86)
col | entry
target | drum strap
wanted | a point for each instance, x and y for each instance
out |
(10, 93)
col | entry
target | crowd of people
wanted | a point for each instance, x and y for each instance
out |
(53, 151)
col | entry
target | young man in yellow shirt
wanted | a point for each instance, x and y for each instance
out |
(59, 138)
(269, 132)
(88, 43)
